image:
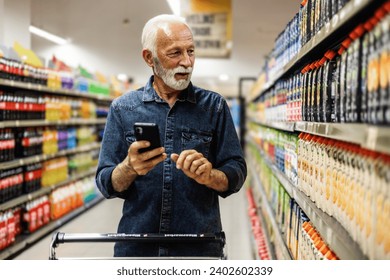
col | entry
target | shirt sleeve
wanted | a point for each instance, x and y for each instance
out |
(229, 155)
(113, 151)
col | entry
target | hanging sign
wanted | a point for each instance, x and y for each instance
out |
(210, 22)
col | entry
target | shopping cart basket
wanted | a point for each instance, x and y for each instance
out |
(60, 238)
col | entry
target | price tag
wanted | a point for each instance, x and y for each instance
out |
(372, 136)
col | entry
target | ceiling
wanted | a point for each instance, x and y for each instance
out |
(105, 37)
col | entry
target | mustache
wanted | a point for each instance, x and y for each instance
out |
(182, 69)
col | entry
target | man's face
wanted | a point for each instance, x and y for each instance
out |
(175, 56)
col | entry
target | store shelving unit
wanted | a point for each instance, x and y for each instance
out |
(267, 211)
(25, 240)
(331, 230)
(372, 137)
(51, 91)
(328, 35)
(367, 136)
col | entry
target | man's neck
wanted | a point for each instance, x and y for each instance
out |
(166, 93)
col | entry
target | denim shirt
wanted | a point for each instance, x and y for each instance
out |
(165, 200)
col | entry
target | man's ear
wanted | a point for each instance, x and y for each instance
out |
(148, 57)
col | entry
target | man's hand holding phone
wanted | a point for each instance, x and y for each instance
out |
(142, 163)
(145, 153)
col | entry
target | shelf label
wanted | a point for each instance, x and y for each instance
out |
(372, 136)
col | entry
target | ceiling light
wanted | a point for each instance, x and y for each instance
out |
(48, 36)
(175, 6)
(122, 77)
(223, 77)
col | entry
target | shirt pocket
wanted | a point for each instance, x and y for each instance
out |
(196, 140)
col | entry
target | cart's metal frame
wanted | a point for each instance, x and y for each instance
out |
(61, 237)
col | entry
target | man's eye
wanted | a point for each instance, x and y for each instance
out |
(175, 53)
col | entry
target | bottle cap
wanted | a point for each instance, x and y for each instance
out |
(380, 13)
(359, 30)
(323, 60)
(341, 50)
(374, 21)
(368, 25)
(330, 54)
(346, 42)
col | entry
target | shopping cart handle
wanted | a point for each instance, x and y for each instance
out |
(60, 237)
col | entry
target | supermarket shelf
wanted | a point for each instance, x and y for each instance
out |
(268, 211)
(285, 126)
(331, 230)
(371, 137)
(45, 89)
(24, 241)
(44, 190)
(39, 158)
(30, 123)
(375, 138)
(258, 244)
(350, 10)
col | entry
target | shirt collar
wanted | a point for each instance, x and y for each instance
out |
(151, 95)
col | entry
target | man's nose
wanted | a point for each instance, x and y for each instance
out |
(186, 60)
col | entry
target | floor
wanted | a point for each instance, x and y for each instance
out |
(104, 217)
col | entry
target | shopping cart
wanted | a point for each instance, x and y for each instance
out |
(60, 238)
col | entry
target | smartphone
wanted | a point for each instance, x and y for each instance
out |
(148, 132)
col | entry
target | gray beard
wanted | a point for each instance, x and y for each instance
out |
(168, 75)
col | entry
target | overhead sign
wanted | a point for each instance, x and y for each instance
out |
(210, 22)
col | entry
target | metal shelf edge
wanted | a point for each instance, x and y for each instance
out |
(45, 89)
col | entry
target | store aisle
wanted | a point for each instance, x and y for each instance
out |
(104, 218)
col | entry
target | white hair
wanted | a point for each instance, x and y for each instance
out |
(149, 33)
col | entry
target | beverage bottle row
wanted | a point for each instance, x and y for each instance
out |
(32, 177)
(80, 163)
(18, 143)
(257, 228)
(20, 105)
(7, 145)
(64, 200)
(280, 147)
(302, 239)
(7, 229)
(352, 185)
(61, 108)
(314, 14)
(23, 105)
(16, 181)
(29, 178)
(36, 214)
(287, 44)
(351, 85)
(348, 84)
(11, 183)
(54, 171)
(14, 70)
(29, 142)
(312, 246)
